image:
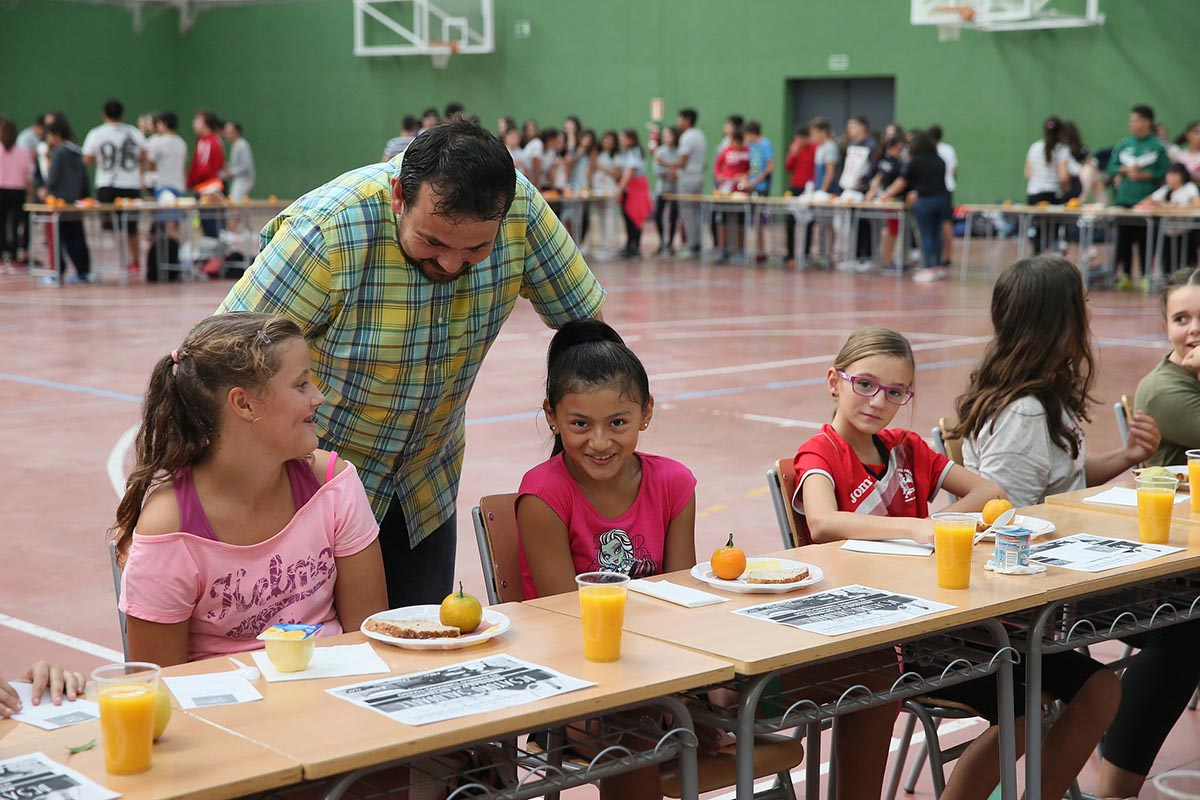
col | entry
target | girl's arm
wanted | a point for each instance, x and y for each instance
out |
(898, 186)
(973, 491)
(827, 524)
(625, 175)
(1028, 169)
(679, 550)
(361, 589)
(1144, 439)
(162, 643)
(546, 542)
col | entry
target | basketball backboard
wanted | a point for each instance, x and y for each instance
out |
(423, 27)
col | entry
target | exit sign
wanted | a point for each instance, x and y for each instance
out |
(839, 62)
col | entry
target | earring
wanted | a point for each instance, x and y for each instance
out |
(553, 429)
(645, 425)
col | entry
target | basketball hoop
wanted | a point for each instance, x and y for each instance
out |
(440, 52)
(951, 30)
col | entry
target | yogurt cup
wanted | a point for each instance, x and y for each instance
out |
(1012, 549)
(289, 646)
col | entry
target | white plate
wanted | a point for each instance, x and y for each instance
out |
(494, 623)
(1178, 469)
(703, 571)
(1040, 527)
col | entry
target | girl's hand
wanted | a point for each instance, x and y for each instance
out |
(923, 531)
(9, 702)
(44, 675)
(1144, 438)
(1191, 361)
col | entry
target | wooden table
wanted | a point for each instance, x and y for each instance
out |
(1182, 512)
(762, 652)
(193, 759)
(330, 736)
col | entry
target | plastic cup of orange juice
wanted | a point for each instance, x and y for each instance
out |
(127, 694)
(1180, 784)
(602, 608)
(1193, 457)
(953, 543)
(1155, 503)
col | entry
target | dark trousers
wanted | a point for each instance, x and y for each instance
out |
(931, 212)
(73, 242)
(420, 575)
(666, 212)
(633, 233)
(1129, 236)
(1035, 229)
(13, 220)
(210, 224)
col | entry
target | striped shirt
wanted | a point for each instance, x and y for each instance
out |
(394, 353)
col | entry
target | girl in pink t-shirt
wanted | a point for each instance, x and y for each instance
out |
(232, 520)
(597, 504)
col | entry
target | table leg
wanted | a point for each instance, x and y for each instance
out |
(966, 248)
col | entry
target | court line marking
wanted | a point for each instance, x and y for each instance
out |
(800, 774)
(116, 460)
(64, 639)
(69, 387)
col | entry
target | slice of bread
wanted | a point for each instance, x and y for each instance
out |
(789, 575)
(413, 629)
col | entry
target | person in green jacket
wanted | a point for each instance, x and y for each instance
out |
(1138, 164)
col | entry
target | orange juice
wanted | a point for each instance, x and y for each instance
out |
(1193, 457)
(1154, 507)
(602, 613)
(127, 725)
(953, 542)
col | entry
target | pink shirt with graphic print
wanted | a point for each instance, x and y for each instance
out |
(231, 593)
(632, 543)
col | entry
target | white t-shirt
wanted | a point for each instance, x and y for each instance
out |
(693, 145)
(1015, 450)
(946, 153)
(168, 151)
(1182, 197)
(1043, 177)
(117, 148)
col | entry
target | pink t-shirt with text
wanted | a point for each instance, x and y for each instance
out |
(231, 593)
(634, 542)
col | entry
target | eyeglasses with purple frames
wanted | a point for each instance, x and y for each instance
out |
(865, 387)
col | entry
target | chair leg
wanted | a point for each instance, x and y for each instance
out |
(893, 784)
(1195, 697)
(812, 762)
(918, 764)
(831, 791)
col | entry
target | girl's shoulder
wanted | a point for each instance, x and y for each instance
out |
(664, 467)
(323, 469)
(160, 512)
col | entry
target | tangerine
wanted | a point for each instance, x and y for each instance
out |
(461, 610)
(993, 509)
(728, 562)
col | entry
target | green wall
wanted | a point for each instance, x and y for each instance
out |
(312, 109)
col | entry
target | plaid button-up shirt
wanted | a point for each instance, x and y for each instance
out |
(394, 353)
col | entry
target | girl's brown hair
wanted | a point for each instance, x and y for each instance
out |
(181, 415)
(8, 133)
(873, 342)
(1178, 280)
(1042, 348)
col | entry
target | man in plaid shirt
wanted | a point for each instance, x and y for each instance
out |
(401, 274)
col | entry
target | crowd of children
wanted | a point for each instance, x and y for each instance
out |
(44, 162)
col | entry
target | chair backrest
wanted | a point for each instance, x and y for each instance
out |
(495, 521)
(951, 446)
(1122, 415)
(116, 576)
(781, 481)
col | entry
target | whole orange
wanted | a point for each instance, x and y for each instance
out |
(728, 562)
(993, 509)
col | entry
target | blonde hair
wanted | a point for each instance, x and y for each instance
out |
(874, 342)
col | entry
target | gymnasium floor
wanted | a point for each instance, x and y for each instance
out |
(736, 356)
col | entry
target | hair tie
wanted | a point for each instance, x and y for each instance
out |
(175, 356)
(263, 337)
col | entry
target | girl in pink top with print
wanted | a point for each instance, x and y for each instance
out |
(598, 504)
(232, 521)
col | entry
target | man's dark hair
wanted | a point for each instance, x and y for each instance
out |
(469, 171)
(753, 127)
(737, 119)
(454, 110)
(935, 131)
(113, 109)
(430, 112)
(169, 120)
(547, 134)
(409, 123)
(60, 127)
(862, 120)
(1144, 111)
(893, 141)
(237, 126)
(40, 119)
(690, 115)
(211, 120)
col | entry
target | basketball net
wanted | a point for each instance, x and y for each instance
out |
(951, 31)
(440, 52)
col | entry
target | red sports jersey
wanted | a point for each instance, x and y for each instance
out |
(913, 474)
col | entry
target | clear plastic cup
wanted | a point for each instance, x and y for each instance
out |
(1193, 457)
(953, 544)
(602, 611)
(127, 694)
(1155, 505)
(1179, 784)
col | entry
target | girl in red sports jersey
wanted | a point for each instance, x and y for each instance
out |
(859, 479)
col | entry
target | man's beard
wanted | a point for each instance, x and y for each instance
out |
(428, 266)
